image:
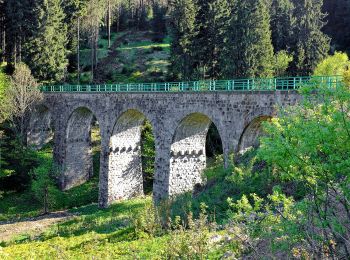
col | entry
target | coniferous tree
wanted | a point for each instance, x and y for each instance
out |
(311, 44)
(338, 21)
(2, 31)
(46, 50)
(21, 24)
(282, 24)
(181, 31)
(74, 10)
(249, 37)
(158, 22)
(211, 24)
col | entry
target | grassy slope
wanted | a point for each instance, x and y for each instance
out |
(94, 233)
(133, 57)
(110, 233)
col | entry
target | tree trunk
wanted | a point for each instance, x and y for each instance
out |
(46, 195)
(96, 47)
(20, 50)
(3, 39)
(78, 49)
(109, 24)
(92, 58)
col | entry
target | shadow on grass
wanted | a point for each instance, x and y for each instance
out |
(90, 218)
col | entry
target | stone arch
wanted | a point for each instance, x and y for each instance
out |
(251, 133)
(188, 153)
(125, 179)
(40, 129)
(78, 166)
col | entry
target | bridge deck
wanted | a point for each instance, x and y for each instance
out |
(263, 84)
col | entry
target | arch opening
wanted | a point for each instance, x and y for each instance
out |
(195, 137)
(250, 138)
(40, 130)
(131, 157)
(83, 146)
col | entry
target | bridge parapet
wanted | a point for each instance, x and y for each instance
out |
(258, 84)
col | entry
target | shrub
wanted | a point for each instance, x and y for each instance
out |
(310, 143)
(147, 223)
(282, 61)
(190, 239)
(333, 65)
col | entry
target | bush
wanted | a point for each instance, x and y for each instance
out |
(282, 61)
(190, 239)
(310, 144)
(333, 65)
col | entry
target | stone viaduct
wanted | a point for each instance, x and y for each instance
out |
(180, 123)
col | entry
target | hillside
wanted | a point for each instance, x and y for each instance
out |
(133, 57)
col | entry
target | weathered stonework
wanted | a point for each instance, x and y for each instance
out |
(40, 128)
(180, 123)
(125, 165)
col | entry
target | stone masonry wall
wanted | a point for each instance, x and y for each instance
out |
(78, 166)
(39, 130)
(125, 164)
(179, 120)
(188, 156)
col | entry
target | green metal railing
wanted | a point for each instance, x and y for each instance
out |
(267, 84)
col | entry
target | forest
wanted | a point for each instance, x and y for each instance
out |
(288, 198)
(209, 39)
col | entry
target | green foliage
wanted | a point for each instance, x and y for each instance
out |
(181, 31)
(208, 42)
(311, 44)
(21, 24)
(148, 156)
(44, 186)
(158, 22)
(282, 24)
(249, 37)
(4, 85)
(309, 143)
(336, 64)
(16, 162)
(189, 241)
(45, 51)
(147, 223)
(272, 220)
(282, 61)
(249, 175)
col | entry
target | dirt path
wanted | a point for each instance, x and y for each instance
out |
(31, 226)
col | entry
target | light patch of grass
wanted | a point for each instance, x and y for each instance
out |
(94, 233)
(143, 45)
